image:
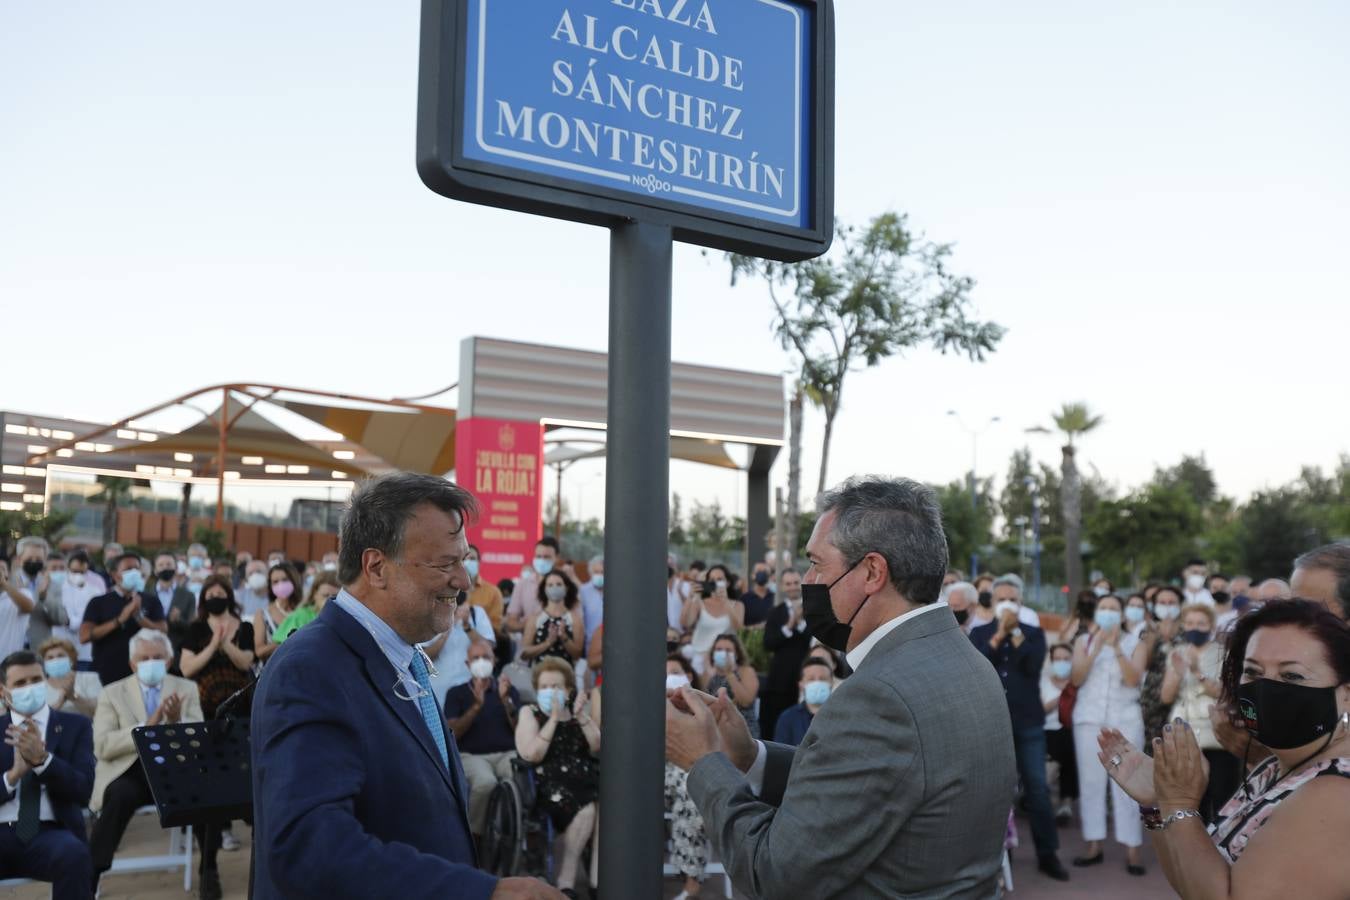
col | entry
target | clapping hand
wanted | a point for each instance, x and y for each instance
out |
(1179, 661)
(579, 704)
(1180, 770)
(170, 710)
(691, 728)
(132, 608)
(1127, 765)
(27, 743)
(479, 689)
(504, 688)
(736, 741)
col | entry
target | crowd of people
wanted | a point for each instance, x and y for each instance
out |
(1099, 702)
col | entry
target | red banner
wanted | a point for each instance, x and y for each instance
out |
(502, 463)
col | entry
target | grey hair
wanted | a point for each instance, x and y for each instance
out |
(1009, 579)
(964, 587)
(1333, 558)
(897, 518)
(378, 512)
(598, 558)
(151, 636)
(32, 541)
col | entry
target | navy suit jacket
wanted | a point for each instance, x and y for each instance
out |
(350, 797)
(1019, 668)
(69, 778)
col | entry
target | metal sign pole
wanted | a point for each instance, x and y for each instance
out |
(632, 754)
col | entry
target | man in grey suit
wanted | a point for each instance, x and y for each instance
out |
(902, 785)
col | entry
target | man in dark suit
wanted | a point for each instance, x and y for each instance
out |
(1017, 651)
(178, 603)
(48, 763)
(786, 638)
(358, 790)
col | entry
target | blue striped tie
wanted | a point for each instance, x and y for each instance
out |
(427, 703)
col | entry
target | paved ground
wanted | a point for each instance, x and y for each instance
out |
(1108, 881)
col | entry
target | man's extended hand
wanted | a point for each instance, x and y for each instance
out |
(27, 743)
(526, 889)
(737, 743)
(692, 734)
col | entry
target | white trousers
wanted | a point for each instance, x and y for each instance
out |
(1092, 788)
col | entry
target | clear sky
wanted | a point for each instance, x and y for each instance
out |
(1151, 196)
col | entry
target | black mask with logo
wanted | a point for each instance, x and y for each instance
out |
(819, 614)
(1283, 716)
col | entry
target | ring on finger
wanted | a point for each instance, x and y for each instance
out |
(1115, 761)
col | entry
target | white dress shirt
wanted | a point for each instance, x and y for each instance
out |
(9, 812)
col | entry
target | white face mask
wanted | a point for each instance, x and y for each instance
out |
(481, 668)
(1195, 582)
(75, 579)
(675, 682)
(257, 582)
(1167, 613)
(1005, 606)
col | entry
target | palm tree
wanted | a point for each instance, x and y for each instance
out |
(1073, 420)
(115, 492)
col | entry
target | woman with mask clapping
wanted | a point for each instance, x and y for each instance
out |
(1287, 671)
(1161, 638)
(1108, 665)
(558, 630)
(1190, 687)
(730, 668)
(558, 737)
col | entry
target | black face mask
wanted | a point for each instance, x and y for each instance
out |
(215, 606)
(1199, 638)
(819, 615)
(33, 567)
(961, 615)
(761, 578)
(672, 647)
(165, 574)
(1283, 716)
(986, 599)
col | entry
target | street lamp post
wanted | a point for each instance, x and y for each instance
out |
(1035, 536)
(974, 484)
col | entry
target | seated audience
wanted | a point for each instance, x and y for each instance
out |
(59, 659)
(816, 683)
(482, 715)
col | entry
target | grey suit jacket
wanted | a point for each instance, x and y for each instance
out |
(901, 787)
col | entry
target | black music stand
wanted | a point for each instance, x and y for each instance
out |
(199, 772)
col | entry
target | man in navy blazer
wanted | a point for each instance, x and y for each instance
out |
(1017, 651)
(357, 786)
(48, 764)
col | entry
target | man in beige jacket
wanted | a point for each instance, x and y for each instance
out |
(149, 696)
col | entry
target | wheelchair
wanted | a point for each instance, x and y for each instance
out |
(517, 839)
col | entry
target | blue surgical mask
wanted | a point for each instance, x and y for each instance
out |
(1107, 619)
(542, 565)
(1167, 613)
(598, 581)
(132, 580)
(1061, 668)
(471, 566)
(58, 577)
(721, 659)
(546, 699)
(28, 699)
(1134, 614)
(151, 672)
(57, 667)
(555, 592)
(817, 692)
(196, 562)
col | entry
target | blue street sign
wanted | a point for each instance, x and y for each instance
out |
(706, 110)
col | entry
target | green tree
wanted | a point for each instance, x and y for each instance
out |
(969, 528)
(1148, 534)
(880, 291)
(676, 535)
(1073, 420)
(116, 491)
(1194, 476)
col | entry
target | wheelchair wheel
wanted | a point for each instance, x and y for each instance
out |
(504, 834)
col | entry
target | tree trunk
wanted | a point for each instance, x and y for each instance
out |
(830, 411)
(110, 520)
(794, 497)
(184, 510)
(1071, 505)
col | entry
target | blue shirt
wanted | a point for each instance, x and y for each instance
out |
(592, 609)
(792, 725)
(395, 649)
(491, 731)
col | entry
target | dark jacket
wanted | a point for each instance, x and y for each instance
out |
(1019, 668)
(350, 797)
(69, 777)
(785, 666)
